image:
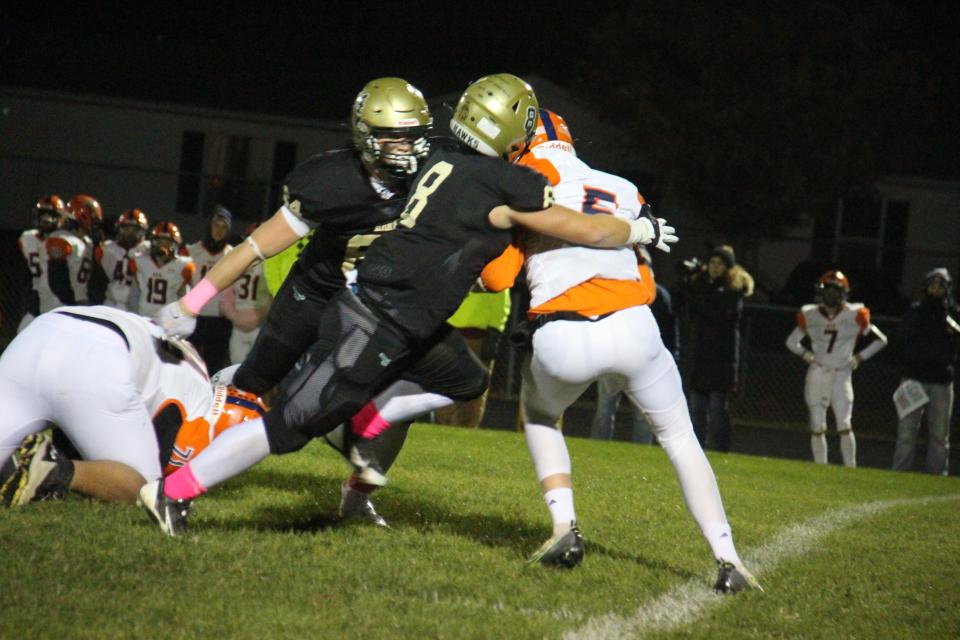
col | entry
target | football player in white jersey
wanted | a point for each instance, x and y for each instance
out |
(125, 394)
(115, 256)
(590, 319)
(212, 335)
(162, 275)
(50, 212)
(70, 250)
(246, 305)
(833, 325)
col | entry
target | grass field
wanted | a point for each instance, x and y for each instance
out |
(842, 553)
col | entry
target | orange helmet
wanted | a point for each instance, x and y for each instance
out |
(553, 131)
(834, 279)
(167, 230)
(133, 217)
(49, 211)
(53, 204)
(85, 210)
(232, 405)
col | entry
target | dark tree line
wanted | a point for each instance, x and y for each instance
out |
(763, 115)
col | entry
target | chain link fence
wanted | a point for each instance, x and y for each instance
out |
(770, 393)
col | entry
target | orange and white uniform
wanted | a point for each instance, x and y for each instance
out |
(33, 246)
(76, 251)
(156, 285)
(601, 329)
(117, 386)
(204, 261)
(833, 339)
(115, 261)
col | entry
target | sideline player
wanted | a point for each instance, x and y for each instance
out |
(246, 305)
(125, 394)
(833, 325)
(162, 274)
(115, 256)
(347, 197)
(49, 213)
(458, 217)
(590, 319)
(69, 253)
(212, 334)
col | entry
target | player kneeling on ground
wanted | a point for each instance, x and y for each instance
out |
(127, 396)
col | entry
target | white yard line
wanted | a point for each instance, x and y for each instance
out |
(694, 599)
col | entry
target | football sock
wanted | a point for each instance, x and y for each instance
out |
(232, 452)
(818, 443)
(720, 538)
(355, 484)
(848, 447)
(560, 503)
(182, 484)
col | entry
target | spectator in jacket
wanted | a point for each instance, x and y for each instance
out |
(713, 298)
(928, 341)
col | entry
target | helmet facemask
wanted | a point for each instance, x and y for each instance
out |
(163, 249)
(129, 235)
(382, 159)
(48, 221)
(390, 122)
(831, 295)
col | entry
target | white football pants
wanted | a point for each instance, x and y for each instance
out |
(626, 348)
(79, 376)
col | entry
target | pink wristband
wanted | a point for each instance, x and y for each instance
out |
(199, 296)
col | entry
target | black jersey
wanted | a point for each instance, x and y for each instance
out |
(332, 192)
(419, 274)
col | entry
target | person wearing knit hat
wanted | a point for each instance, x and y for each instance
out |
(929, 335)
(212, 335)
(713, 303)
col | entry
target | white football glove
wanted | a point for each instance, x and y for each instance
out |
(854, 362)
(649, 230)
(175, 321)
(808, 357)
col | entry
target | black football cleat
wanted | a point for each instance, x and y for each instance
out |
(170, 514)
(36, 471)
(565, 550)
(356, 506)
(732, 579)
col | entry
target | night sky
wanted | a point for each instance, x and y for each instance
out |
(311, 62)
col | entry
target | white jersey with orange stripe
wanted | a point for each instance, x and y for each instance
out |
(156, 285)
(34, 248)
(834, 337)
(76, 251)
(553, 266)
(115, 262)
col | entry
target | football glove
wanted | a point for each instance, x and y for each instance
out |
(808, 357)
(652, 231)
(854, 362)
(175, 321)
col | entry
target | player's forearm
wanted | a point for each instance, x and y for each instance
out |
(795, 342)
(269, 239)
(566, 224)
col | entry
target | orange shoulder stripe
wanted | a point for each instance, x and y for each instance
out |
(543, 167)
(863, 318)
(58, 248)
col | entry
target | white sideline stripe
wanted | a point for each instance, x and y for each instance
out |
(693, 599)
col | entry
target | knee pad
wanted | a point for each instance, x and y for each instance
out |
(473, 387)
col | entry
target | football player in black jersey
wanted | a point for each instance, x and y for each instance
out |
(457, 218)
(350, 197)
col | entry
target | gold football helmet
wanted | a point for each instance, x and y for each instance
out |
(391, 108)
(496, 116)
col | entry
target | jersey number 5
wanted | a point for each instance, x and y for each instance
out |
(425, 187)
